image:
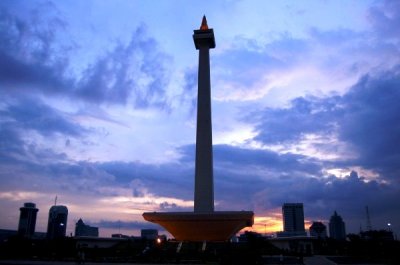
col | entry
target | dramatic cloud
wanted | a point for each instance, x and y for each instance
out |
(31, 114)
(305, 116)
(370, 122)
(365, 119)
(33, 60)
(134, 70)
(124, 225)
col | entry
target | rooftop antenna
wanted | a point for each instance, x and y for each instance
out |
(55, 201)
(369, 226)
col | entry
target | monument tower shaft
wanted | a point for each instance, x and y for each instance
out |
(204, 180)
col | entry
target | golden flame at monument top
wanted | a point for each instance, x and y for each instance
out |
(204, 25)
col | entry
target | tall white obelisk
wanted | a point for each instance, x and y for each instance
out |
(204, 224)
(204, 180)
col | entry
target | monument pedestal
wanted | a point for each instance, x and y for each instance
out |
(198, 227)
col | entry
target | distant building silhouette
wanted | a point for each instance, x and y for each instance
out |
(337, 228)
(27, 219)
(318, 229)
(81, 229)
(149, 234)
(120, 236)
(377, 235)
(293, 220)
(57, 225)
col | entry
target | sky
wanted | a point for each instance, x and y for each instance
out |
(98, 107)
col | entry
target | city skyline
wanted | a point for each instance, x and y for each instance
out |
(293, 213)
(98, 107)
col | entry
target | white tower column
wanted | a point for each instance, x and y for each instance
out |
(204, 180)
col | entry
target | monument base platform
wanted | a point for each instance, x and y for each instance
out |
(193, 226)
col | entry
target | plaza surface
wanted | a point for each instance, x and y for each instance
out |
(38, 262)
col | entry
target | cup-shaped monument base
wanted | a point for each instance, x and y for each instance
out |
(193, 226)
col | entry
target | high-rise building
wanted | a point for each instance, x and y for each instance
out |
(57, 225)
(337, 228)
(293, 219)
(27, 219)
(318, 229)
(82, 229)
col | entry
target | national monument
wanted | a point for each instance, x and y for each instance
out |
(204, 224)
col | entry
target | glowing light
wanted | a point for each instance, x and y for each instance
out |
(266, 224)
(19, 195)
(158, 240)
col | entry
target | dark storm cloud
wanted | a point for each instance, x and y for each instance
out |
(227, 156)
(49, 173)
(306, 115)
(17, 76)
(366, 118)
(11, 144)
(251, 179)
(35, 57)
(239, 173)
(244, 179)
(33, 114)
(176, 178)
(328, 192)
(19, 151)
(125, 225)
(371, 122)
(29, 56)
(322, 196)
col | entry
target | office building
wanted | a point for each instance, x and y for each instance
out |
(337, 228)
(82, 229)
(293, 219)
(57, 225)
(27, 219)
(318, 230)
